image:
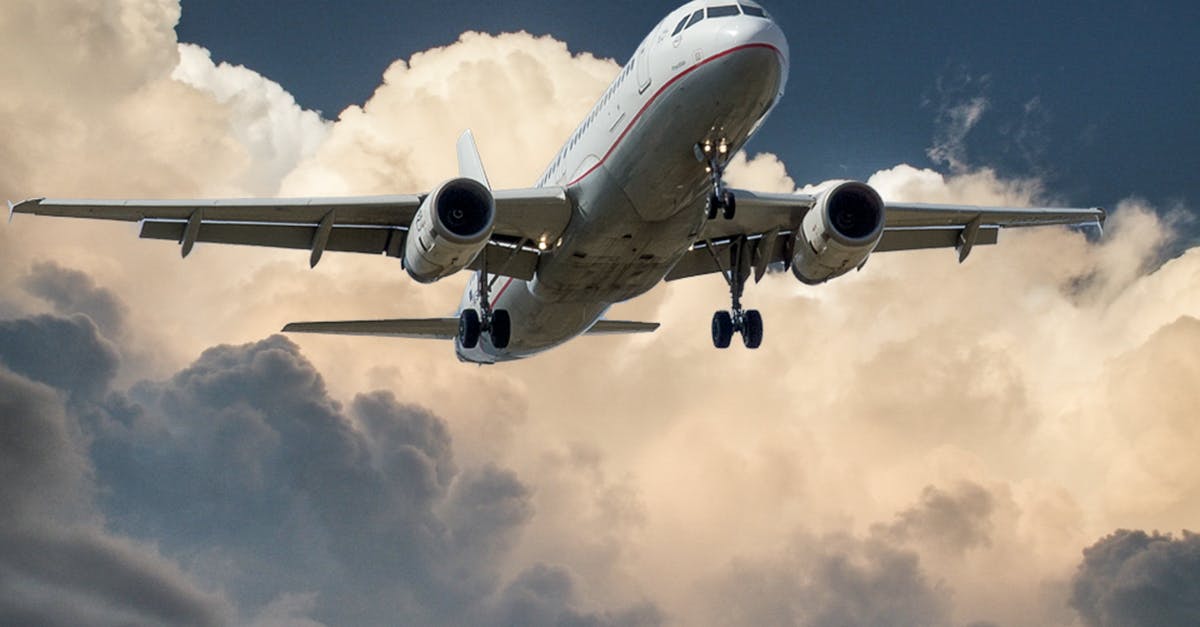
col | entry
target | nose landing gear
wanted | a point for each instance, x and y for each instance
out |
(716, 157)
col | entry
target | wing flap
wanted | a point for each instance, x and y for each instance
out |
(296, 236)
(426, 328)
(922, 238)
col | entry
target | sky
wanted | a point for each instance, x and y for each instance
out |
(1009, 441)
(1098, 99)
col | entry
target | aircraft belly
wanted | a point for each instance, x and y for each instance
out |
(639, 211)
(725, 98)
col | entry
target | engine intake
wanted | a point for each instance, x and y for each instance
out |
(838, 233)
(452, 226)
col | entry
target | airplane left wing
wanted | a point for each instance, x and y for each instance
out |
(769, 224)
(371, 224)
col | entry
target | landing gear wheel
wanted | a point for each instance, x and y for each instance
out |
(714, 203)
(722, 329)
(469, 328)
(501, 330)
(752, 329)
(729, 204)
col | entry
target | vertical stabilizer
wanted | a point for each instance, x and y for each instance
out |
(470, 165)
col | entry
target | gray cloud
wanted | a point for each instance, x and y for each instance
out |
(953, 520)
(546, 596)
(57, 565)
(1139, 579)
(826, 581)
(244, 457)
(74, 292)
(66, 353)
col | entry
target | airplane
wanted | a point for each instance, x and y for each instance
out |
(636, 196)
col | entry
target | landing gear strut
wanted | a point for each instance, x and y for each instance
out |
(495, 322)
(715, 158)
(747, 322)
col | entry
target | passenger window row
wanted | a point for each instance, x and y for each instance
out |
(727, 10)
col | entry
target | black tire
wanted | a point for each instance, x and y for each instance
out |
(714, 203)
(722, 329)
(729, 204)
(501, 328)
(752, 329)
(468, 328)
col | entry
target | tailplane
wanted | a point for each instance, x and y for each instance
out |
(440, 328)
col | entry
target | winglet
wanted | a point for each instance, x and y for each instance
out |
(470, 165)
(25, 206)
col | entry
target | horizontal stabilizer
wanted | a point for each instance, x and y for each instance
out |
(428, 328)
(613, 327)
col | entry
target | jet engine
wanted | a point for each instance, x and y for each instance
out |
(450, 229)
(838, 233)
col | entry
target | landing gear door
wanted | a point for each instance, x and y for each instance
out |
(643, 70)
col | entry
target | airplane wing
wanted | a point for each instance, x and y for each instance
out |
(373, 224)
(769, 223)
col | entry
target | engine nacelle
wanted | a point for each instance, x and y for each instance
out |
(838, 233)
(450, 229)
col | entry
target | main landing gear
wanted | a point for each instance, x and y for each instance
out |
(715, 158)
(747, 322)
(496, 323)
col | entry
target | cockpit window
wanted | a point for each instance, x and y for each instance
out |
(682, 23)
(750, 9)
(696, 17)
(723, 11)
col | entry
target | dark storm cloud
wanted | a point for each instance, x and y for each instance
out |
(40, 468)
(244, 455)
(829, 581)
(71, 292)
(951, 520)
(1136, 578)
(65, 353)
(57, 566)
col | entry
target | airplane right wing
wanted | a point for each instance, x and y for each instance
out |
(768, 224)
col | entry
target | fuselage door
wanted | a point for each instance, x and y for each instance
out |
(643, 70)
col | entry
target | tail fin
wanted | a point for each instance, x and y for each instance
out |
(470, 165)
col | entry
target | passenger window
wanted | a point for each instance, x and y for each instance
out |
(696, 17)
(755, 11)
(724, 11)
(682, 23)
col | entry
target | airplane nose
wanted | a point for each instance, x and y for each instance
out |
(750, 31)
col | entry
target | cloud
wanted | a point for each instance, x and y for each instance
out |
(962, 102)
(59, 566)
(71, 291)
(1137, 578)
(67, 353)
(953, 520)
(830, 580)
(920, 440)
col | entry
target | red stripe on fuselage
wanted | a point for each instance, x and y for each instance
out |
(501, 292)
(660, 91)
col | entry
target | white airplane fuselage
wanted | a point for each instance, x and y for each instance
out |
(630, 169)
